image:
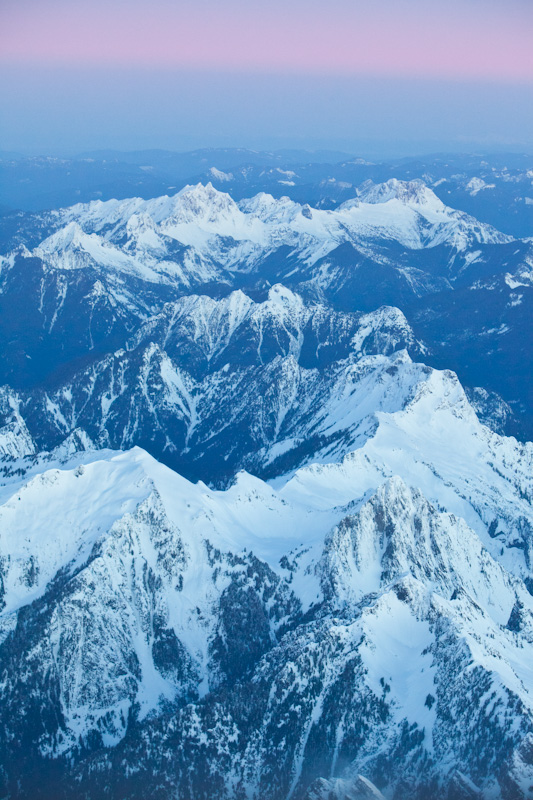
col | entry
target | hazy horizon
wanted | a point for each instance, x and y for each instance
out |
(389, 80)
(66, 113)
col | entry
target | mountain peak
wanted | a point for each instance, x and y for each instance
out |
(72, 235)
(281, 297)
(409, 192)
(204, 191)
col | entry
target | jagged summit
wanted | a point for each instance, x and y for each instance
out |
(408, 192)
(217, 228)
(144, 596)
(193, 202)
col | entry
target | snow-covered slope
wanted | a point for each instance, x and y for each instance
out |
(84, 279)
(346, 610)
(211, 229)
(344, 593)
(217, 381)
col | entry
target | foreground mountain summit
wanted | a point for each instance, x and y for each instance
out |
(249, 642)
(253, 545)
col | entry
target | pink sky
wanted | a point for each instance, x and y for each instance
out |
(466, 39)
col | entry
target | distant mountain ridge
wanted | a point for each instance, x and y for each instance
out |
(99, 271)
(494, 187)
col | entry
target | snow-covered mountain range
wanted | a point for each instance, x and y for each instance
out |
(77, 283)
(495, 188)
(140, 237)
(213, 386)
(253, 544)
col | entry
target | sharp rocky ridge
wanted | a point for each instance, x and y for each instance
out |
(257, 540)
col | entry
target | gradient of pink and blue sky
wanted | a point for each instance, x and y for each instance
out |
(346, 73)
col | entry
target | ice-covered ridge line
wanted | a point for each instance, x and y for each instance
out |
(138, 235)
(212, 324)
(437, 444)
(424, 430)
(119, 511)
(95, 490)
